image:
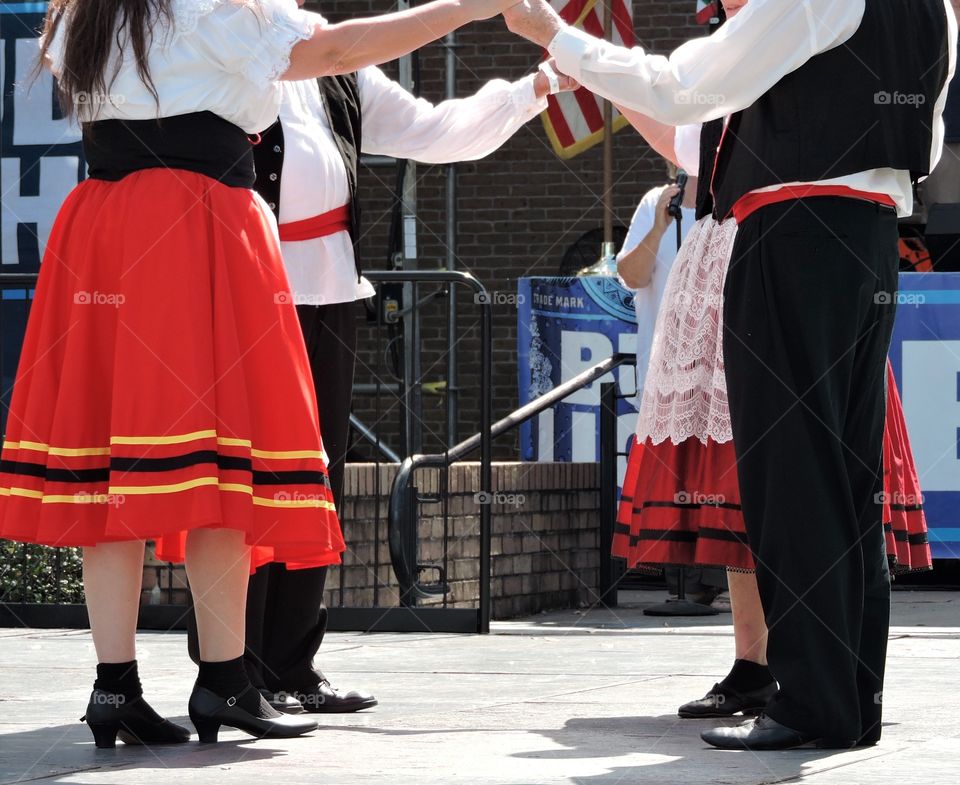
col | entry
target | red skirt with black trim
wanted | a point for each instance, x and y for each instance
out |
(681, 502)
(163, 383)
(904, 523)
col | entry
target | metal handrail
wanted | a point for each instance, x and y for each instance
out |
(396, 538)
(401, 516)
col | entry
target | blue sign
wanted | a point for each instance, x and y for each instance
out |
(926, 361)
(565, 326)
(41, 161)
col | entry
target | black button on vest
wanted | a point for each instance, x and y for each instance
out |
(865, 104)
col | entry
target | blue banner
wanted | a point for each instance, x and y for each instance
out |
(41, 161)
(566, 325)
(926, 360)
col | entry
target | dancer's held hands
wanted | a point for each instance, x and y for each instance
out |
(541, 83)
(534, 20)
(485, 9)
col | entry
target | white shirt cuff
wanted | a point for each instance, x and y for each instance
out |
(525, 95)
(568, 48)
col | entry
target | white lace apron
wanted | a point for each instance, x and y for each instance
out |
(685, 393)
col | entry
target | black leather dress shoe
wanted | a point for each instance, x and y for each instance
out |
(110, 716)
(282, 701)
(326, 699)
(765, 733)
(722, 701)
(208, 711)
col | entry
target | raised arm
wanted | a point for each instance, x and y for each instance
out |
(705, 78)
(349, 46)
(637, 259)
(396, 123)
(660, 136)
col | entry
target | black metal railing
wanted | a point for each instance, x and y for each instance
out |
(611, 570)
(404, 299)
(405, 499)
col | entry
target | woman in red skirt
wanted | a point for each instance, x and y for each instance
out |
(163, 390)
(681, 499)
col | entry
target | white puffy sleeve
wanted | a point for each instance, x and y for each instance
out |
(251, 38)
(643, 220)
(459, 129)
(55, 49)
(686, 145)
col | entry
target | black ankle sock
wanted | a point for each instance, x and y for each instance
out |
(119, 678)
(745, 676)
(228, 679)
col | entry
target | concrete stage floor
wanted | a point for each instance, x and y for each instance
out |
(565, 697)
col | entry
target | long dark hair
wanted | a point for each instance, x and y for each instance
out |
(94, 26)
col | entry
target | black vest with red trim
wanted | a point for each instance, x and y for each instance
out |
(865, 104)
(341, 101)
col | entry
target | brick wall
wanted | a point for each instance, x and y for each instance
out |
(518, 210)
(544, 548)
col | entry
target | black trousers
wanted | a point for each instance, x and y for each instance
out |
(809, 307)
(286, 618)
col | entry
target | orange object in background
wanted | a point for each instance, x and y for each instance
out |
(914, 255)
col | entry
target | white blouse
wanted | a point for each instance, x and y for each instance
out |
(222, 56)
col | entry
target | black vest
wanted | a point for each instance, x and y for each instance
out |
(866, 104)
(710, 134)
(341, 100)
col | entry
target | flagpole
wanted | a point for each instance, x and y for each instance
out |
(608, 249)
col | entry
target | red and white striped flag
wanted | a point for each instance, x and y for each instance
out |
(706, 10)
(574, 121)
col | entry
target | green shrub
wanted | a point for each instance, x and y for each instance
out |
(36, 573)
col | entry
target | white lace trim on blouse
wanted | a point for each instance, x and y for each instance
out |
(283, 26)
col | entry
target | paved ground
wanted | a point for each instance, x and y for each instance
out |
(559, 698)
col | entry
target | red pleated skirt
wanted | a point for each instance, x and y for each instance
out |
(163, 383)
(681, 502)
(904, 523)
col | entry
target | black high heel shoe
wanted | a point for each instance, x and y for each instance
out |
(208, 711)
(134, 721)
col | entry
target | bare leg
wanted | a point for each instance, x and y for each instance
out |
(112, 576)
(749, 684)
(749, 626)
(218, 566)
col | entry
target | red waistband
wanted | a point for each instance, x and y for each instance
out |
(751, 202)
(331, 222)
